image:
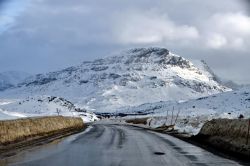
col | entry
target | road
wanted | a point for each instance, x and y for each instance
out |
(118, 145)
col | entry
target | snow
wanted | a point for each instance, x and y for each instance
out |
(194, 113)
(148, 80)
(4, 101)
(132, 78)
(5, 115)
(43, 106)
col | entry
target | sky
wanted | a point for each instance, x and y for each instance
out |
(38, 36)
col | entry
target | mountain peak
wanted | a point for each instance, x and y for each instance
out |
(134, 77)
(161, 57)
(149, 50)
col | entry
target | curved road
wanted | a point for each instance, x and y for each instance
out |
(118, 145)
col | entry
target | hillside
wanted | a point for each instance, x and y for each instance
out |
(192, 114)
(134, 77)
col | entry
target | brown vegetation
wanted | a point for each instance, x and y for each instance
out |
(138, 121)
(14, 131)
(226, 134)
(165, 128)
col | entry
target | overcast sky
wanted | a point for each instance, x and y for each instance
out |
(44, 35)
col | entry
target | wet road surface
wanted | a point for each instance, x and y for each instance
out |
(118, 145)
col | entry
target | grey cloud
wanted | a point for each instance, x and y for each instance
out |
(50, 35)
(247, 5)
(3, 3)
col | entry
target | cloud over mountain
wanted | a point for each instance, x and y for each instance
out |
(61, 33)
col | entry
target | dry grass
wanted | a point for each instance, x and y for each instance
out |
(165, 128)
(234, 129)
(138, 121)
(229, 135)
(12, 131)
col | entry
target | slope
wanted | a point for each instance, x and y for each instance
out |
(131, 78)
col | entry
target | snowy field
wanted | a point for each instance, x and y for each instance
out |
(189, 116)
(42, 106)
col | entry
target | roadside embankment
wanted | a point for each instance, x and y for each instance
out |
(227, 135)
(22, 132)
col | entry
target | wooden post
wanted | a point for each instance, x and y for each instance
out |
(166, 122)
(172, 116)
(151, 119)
(177, 116)
(58, 111)
(248, 131)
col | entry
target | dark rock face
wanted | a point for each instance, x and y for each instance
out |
(147, 51)
(99, 68)
(195, 85)
(144, 55)
(214, 76)
(114, 76)
(41, 81)
(147, 55)
(179, 62)
(84, 81)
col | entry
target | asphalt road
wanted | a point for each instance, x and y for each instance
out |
(118, 145)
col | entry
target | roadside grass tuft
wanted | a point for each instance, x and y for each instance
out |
(138, 121)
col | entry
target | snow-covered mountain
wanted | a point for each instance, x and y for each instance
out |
(42, 106)
(192, 114)
(10, 79)
(132, 78)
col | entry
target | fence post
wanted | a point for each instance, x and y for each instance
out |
(166, 122)
(172, 116)
(248, 131)
(177, 116)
